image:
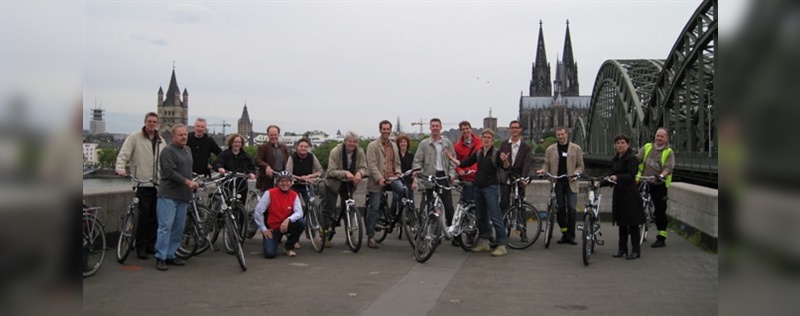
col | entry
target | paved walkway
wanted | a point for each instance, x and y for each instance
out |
(677, 280)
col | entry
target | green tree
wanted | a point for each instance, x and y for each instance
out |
(323, 151)
(546, 143)
(250, 150)
(108, 157)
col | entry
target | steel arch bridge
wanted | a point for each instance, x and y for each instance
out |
(636, 97)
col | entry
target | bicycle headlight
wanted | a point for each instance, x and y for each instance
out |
(135, 200)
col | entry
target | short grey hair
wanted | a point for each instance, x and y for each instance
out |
(177, 126)
(351, 134)
(200, 119)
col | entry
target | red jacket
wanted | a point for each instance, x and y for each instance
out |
(281, 206)
(462, 152)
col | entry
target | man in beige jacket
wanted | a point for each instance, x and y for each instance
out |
(383, 163)
(564, 157)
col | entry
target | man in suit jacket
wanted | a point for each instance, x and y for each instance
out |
(271, 158)
(562, 158)
(520, 155)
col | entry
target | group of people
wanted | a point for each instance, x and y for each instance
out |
(473, 158)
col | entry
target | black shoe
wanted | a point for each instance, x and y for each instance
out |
(151, 250)
(567, 240)
(633, 255)
(456, 241)
(658, 244)
(563, 240)
(161, 265)
(142, 254)
(620, 254)
(176, 262)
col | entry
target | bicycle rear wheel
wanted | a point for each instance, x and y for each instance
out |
(206, 225)
(94, 245)
(189, 239)
(523, 226)
(427, 240)
(354, 229)
(314, 229)
(587, 235)
(250, 207)
(551, 219)
(126, 235)
(232, 234)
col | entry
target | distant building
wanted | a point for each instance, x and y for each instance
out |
(544, 108)
(171, 108)
(97, 125)
(245, 127)
(90, 156)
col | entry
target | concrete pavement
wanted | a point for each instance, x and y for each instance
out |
(679, 279)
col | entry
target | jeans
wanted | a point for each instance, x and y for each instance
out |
(566, 217)
(375, 204)
(171, 221)
(270, 245)
(487, 207)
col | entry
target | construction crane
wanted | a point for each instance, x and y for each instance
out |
(421, 123)
(223, 126)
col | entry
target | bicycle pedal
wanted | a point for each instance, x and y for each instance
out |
(601, 242)
(580, 226)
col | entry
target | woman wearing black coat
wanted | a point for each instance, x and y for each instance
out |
(626, 205)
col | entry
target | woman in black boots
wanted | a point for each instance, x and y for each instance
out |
(626, 205)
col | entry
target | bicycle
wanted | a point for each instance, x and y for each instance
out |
(353, 222)
(551, 206)
(231, 211)
(465, 221)
(250, 207)
(312, 214)
(94, 241)
(647, 203)
(590, 229)
(521, 218)
(199, 223)
(386, 222)
(431, 229)
(222, 192)
(127, 223)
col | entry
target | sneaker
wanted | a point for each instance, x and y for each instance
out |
(142, 254)
(372, 243)
(659, 243)
(297, 245)
(161, 265)
(499, 251)
(482, 246)
(176, 262)
(290, 253)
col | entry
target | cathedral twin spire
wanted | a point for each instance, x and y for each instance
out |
(566, 82)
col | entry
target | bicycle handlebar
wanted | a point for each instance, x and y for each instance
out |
(656, 179)
(552, 177)
(434, 179)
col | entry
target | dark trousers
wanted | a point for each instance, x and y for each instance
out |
(505, 195)
(447, 197)
(293, 233)
(659, 195)
(329, 211)
(147, 224)
(566, 202)
(633, 231)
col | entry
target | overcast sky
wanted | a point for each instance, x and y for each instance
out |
(348, 65)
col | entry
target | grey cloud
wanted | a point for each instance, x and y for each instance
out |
(189, 13)
(158, 40)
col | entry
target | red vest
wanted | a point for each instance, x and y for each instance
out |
(281, 206)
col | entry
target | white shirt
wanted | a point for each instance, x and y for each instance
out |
(439, 147)
(514, 150)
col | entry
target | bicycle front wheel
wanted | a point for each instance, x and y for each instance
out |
(232, 234)
(523, 226)
(410, 223)
(126, 235)
(381, 225)
(237, 210)
(644, 228)
(587, 235)
(427, 239)
(207, 226)
(354, 229)
(314, 230)
(189, 240)
(551, 220)
(469, 229)
(94, 245)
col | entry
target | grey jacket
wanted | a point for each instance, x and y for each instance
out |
(425, 157)
(336, 166)
(176, 168)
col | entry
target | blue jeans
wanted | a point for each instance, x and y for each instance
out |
(375, 204)
(171, 220)
(293, 233)
(566, 220)
(487, 207)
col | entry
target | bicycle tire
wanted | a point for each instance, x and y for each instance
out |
(381, 229)
(189, 240)
(427, 240)
(520, 223)
(410, 221)
(206, 225)
(250, 208)
(551, 218)
(644, 228)
(237, 210)
(314, 230)
(216, 221)
(469, 229)
(232, 233)
(354, 235)
(94, 245)
(587, 237)
(126, 239)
